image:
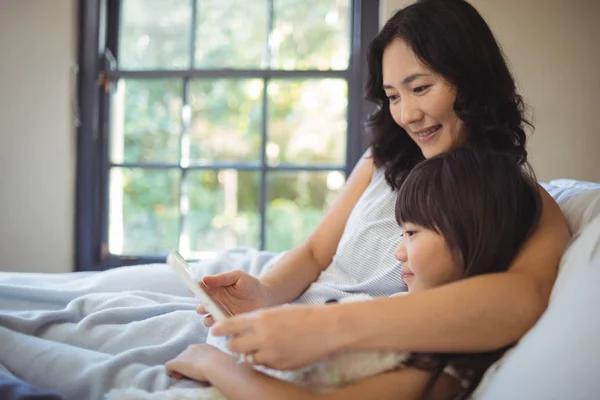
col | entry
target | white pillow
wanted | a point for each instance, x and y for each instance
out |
(580, 202)
(584, 246)
(564, 183)
(558, 358)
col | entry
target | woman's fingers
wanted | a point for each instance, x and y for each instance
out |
(255, 358)
(234, 326)
(223, 279)
(208, 318)
(246, 343)
(209, 321)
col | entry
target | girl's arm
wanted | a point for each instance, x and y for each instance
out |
(241, 381)
(478, 314)
(235, 381)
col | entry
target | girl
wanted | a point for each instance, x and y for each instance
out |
(463, 213)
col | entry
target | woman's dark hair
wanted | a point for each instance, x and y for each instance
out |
(485, 206)
(452, 39)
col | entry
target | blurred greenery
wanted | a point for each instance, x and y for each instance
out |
(204, 210)
(149, 127)
(226, 112)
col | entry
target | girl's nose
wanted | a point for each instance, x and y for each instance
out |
(401, 252)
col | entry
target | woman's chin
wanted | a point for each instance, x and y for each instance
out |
(432, 151)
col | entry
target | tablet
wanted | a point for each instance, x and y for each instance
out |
(198, 289)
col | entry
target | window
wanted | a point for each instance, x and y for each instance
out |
(212, 124)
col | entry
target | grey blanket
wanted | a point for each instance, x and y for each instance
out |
(82, 334)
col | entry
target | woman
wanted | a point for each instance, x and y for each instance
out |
(439, 80)
(448, 236)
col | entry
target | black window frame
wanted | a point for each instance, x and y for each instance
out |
(97, 41)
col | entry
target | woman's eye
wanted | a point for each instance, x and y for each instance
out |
(393, 97)
(420, 89)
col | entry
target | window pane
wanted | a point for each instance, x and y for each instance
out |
(307, 121)
(146, 121)
(297, 202)
(226, 120)
(143, 211)
(310, 34)
(231, 34)
(155, 34)
(223, 211)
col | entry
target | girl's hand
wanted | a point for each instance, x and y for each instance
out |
(284, 337)
(237, 290)
(192, 363)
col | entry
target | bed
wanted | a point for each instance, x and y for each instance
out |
(69, 333)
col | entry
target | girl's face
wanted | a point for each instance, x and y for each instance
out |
(427, 261)
(421, 101)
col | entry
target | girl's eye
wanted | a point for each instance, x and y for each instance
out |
(408, 233)
(393, 97)
(420, 89)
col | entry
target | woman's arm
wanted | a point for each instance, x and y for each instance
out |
(301, 266)
(478, 314)
(241, 381)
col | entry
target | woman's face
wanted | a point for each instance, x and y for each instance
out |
(421, 101)
(427, 261)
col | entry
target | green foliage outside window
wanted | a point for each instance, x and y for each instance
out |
(306, 123)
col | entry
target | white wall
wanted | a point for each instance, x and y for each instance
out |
(554, 50)
(37, 146)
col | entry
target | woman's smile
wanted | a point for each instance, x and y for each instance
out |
(425, 135)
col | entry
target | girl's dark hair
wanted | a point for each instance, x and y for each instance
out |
(482, 203)
(452, 39)
(485, 206)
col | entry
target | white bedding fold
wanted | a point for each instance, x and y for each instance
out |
(83, 334)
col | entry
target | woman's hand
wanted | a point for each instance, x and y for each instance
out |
(192, 363)
(237, 290)
(285, 337)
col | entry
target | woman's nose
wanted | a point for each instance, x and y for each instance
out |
(409, 112)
